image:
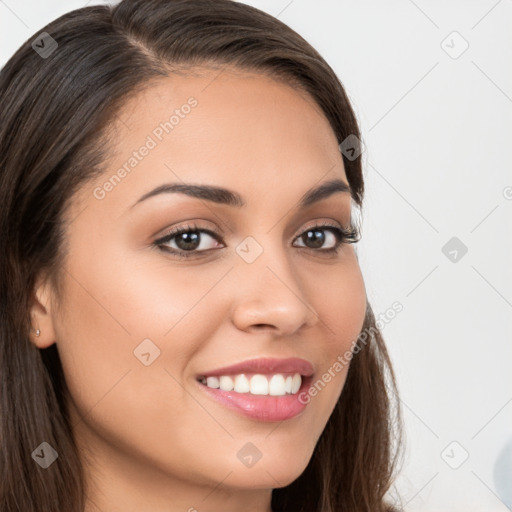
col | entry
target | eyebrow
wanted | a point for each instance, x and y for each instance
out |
(224, 196)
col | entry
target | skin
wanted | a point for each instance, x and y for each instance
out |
(150, 438)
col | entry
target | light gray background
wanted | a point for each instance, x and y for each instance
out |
(437, 128)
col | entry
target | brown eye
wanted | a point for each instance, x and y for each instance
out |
(316, 238)
(188, 239)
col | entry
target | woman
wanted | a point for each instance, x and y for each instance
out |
(184, 321)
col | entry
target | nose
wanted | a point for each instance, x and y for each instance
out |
(270, 296)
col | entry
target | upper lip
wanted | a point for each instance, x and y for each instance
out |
(265, 365)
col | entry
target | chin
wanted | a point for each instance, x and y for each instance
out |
(274, 472)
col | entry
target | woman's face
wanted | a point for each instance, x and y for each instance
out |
(138, 325)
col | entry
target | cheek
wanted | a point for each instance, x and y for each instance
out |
(112, 308)
(340, 302)
(339, 297)
(116, 304)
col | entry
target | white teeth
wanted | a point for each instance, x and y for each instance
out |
(212, 382)
(242, 384)
(288, 384)
(226, 383)
(274, 385)
(296, 382)
(259, 385)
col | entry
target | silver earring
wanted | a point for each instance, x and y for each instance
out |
(38, 332)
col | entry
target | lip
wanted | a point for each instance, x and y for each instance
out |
(262, 407)
(265, 365)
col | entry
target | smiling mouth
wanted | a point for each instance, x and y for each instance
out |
(276, 384)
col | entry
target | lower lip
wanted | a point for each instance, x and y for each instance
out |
(261, 407)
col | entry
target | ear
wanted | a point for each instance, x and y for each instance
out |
(41, 315)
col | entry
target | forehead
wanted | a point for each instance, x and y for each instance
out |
(225, 96)
(221, 127)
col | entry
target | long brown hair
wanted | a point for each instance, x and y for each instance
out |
(56, 109)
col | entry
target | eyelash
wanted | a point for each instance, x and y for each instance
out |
(343, 236)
